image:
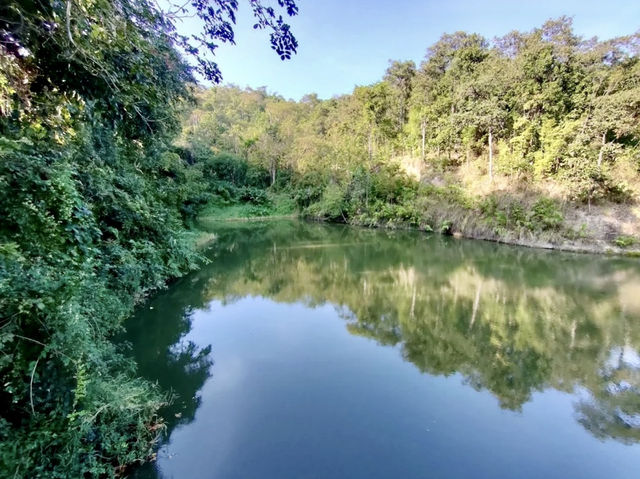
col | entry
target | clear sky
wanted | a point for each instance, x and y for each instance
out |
(344, 43)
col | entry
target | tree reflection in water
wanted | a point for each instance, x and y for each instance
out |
(510, 320)
(156, 340)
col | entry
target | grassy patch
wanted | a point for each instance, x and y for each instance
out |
(276, 204)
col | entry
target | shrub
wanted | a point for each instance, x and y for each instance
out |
(254, 196)
(391, 214)
(257, 177)
(307, 195)
(332, 205)
(625, 241)
(227, 167)
(545, 215)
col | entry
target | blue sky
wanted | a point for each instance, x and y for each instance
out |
(349, 42)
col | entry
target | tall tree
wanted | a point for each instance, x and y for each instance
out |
(399, 76)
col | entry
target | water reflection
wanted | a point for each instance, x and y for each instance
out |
(509, 320)
(156, 340)
(513, 321)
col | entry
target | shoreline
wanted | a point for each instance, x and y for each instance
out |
(599, 247)
(248, 218)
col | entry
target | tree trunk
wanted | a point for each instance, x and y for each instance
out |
(370, 144)
(604, 139)
(490, 154)
(273, 172)
(423, 128)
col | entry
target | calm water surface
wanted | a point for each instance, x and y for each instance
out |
(316, 351)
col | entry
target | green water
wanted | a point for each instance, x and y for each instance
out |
(318, 351)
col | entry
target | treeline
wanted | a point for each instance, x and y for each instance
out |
(544, 109)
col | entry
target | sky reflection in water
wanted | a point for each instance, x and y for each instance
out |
(316, 351)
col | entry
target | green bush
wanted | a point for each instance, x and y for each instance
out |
(254, 196)
(228, 168)
(590, 184)
(390, 214)
(390, 185)
(307, 195)
(544, 215)
(93, 203)
(625, 241)
(257, 177)
(331, 206)
(81, 240)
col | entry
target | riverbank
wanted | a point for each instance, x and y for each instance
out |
(523, 220)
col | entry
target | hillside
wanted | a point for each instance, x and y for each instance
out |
(531, 138)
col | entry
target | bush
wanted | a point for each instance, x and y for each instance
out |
(226, 167)
(511, 214)
(591, 184)
(308, 195)
(224, 193)
(92, 211)
(332, 205)
(625, 241)
(391, 214)
(257, 177)
(544, 215)
(390, 185)
(254, 196)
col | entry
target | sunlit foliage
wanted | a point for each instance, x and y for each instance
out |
(94, 200)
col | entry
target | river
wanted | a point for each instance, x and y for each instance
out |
(325, 351)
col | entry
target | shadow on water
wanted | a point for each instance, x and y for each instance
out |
(511, 321)
(155, 338)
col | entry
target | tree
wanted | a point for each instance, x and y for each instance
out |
(486, 107)
(375, 108)
(439, 87)
(399, 76)
(75, 30)
(616, 109)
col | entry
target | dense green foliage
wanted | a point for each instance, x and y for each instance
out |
(497, 135)
(96, 195)
(89, 223)
(93, 206)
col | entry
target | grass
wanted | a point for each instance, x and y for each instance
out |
(279, 204)
(516, 215)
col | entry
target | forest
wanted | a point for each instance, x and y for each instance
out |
(110, 151)
(531, 138)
